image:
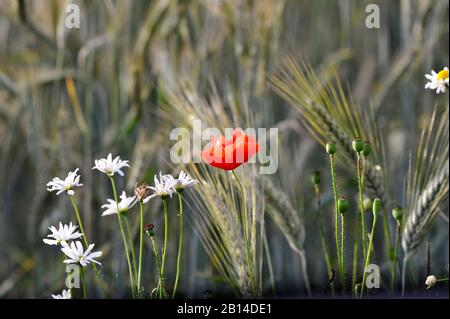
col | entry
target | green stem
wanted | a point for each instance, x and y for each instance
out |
(86, 243)
(130, 240)
(323, 241)
(83, 281)
(158, 264)
(387, 235)
(363, 284)
(336, 214)
(141, 242)
(355, 260)
(363, 174)
(343, 251)
(166, 237)
(77, 213)
(180, 244)
(384, 219)
(244, 226)
(394, 269)
(119, 219)
(361, 205)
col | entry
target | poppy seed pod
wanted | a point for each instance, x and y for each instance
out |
(367, 204)
(342, 205)
(331, 148)
(150, 230)
(376, 206)
(366, 149)
(315, 178)
(397, 213)
(358, 145)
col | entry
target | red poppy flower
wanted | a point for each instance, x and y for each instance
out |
(230, 154)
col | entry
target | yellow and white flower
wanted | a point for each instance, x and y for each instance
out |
(67, 185)
(184, 181)
(110, 166)
(164, 187)
(62, 235)
(124, 204)
(438, 81)
(77, 255)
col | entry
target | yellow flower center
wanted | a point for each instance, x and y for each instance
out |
(442, 75)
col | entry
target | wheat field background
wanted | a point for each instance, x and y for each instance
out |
(135, 70)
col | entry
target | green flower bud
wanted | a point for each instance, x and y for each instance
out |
(331, 148)
(377, 205)
(315, 178)
(150, 230)
(358, 145)
(342, 205)
(397, 213)
(367, 204)
(366, 149)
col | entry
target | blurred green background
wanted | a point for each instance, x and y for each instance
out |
(68, 96)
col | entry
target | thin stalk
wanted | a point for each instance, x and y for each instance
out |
(363, 284)
(363, 173)
(86, 243)
(323, 241)
(130, 240)
(405, 262)
(361, 205)
(355, 260)
(83, 281)
(180, 244)
(383, 217)
(394, 269)
(244, 226)
(119, 219)
(343, 251)
(77, 213)
(166, 237)
(269, 265)
(336, 214)
(141, 242)
(305, 272)
(158, 264)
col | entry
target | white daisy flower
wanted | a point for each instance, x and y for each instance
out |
(438, 81)
(431, 281)
(62, 235)
(110, 166)
(125, 204)
(67, 185)
(164, 187)
(184, 181)
(64, 295)
(77, 255)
